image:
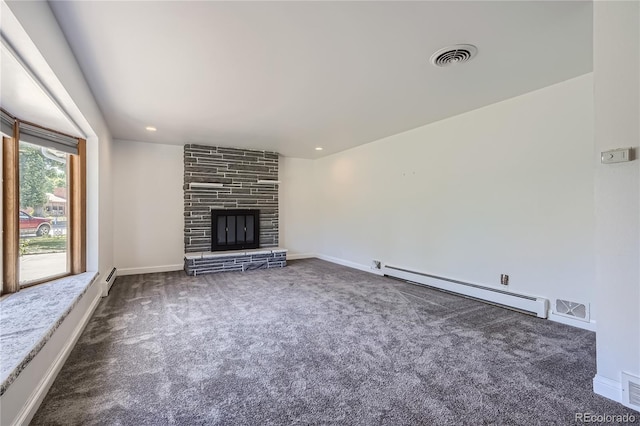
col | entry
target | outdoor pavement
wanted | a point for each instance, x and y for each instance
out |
(37, 266)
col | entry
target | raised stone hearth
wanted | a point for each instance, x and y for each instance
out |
(234, 260)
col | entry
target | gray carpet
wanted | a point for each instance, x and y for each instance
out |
(317, 343)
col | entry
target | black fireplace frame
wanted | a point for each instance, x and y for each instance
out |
(216, 213)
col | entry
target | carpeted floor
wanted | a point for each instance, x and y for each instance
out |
(317, 343)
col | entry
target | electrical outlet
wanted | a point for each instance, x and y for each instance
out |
(615, 156)
(504, 279)
(376, 264)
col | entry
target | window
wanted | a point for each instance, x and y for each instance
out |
(43, 231)
(43, 204)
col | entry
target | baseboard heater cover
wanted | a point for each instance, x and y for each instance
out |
(110, 280)
(537, 306)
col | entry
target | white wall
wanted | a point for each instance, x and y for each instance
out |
(507, 188)
(1, 222)
(298, 207)
(148, 221)
(34, 32)
(54, 63)
(617, 192)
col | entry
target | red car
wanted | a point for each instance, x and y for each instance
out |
(30, 224)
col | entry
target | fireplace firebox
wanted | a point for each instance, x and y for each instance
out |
(235, 229)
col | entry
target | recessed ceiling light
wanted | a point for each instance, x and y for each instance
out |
(318, 148)
(151, 128)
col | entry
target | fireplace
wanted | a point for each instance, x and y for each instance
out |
(235, 229)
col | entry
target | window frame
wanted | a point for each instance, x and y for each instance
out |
(76, 228)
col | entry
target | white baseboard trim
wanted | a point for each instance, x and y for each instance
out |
(300, 256)
(591, 325)
(150, 269)
(608, 388)
(33, 402)
(349, 264)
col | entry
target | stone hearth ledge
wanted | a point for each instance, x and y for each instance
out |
(234, 260)
(31, 316)
(233, 253)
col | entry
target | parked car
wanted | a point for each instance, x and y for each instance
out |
(30, 224)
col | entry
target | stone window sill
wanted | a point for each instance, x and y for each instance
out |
(31, 316)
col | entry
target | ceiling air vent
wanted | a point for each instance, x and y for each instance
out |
(451, 55)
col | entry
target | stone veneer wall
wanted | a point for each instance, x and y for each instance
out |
(239, 171)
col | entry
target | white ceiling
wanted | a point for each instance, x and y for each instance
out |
(290, 76)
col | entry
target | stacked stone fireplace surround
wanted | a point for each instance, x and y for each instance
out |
(239, 171)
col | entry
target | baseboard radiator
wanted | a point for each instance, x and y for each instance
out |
(109, 281)
(527, 304)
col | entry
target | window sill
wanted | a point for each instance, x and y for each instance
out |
(31, 316)
(42, 281)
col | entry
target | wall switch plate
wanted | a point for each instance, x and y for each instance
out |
(615, 156)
